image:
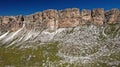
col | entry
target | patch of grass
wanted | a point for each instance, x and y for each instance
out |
(43, 55)
(101, 36)
(115, 56)
(29, 56)
(112, 30)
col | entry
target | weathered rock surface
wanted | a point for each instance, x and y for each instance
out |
(98, 16)
(69, 17)
(112, 16)
(118, 18)
(54, 19)
(34, 21)
(86, 16)
(50, 18)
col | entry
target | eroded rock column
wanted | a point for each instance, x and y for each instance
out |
(69, 18)
(98, 16)
(86, 16)
(112, 16)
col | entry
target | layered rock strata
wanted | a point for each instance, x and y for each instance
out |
(54, 19)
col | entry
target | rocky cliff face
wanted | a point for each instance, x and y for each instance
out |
(86, 16)
(53, 19)
(98, 16)
(69, 18)
(89, 37)
(112, 16)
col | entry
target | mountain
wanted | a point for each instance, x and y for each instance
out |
(54, 19)
(50, 22)
(82, 36)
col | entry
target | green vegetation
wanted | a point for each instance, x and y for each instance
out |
(29, 56)
(111, 31)
(43, 55)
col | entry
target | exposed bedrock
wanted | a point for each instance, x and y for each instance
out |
(112, 16)
(54, 19)
(98, 16)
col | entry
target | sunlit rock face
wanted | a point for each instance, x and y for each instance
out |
(69, 18)
(118, 18)
(112, 16)
(86, 16)
(5, 24)
(11, 23)
(54, 19)
(98, 16)
(50, 17)
(6, 20)
(34, 21)
(17, 22)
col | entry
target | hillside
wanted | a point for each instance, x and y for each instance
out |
(70, 37)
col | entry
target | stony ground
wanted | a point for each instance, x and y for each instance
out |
(84, 46)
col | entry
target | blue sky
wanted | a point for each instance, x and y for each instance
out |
(25, 7)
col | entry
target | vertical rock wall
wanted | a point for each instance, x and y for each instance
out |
(54, 19)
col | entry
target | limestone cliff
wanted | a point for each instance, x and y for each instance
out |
(53, 19)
